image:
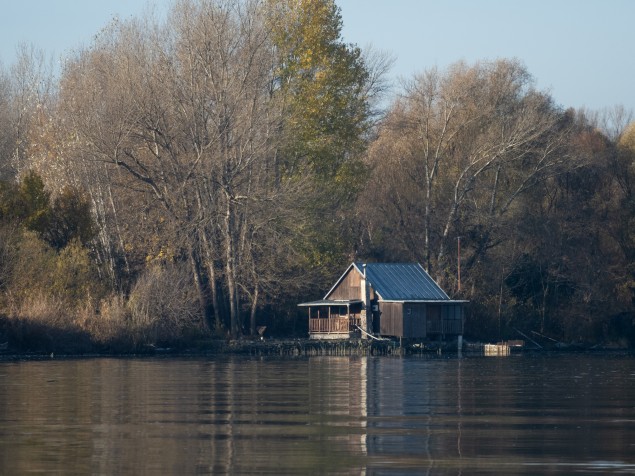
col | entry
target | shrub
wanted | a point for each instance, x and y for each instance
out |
(109, 326)
(42, 324)
(75, 279)
(33, 273)
(8, 255)
(164, 303)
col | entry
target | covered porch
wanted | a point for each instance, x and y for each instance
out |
(333, 319)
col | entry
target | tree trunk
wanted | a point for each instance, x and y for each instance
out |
(230, 268)
(427, 226)
(200, 287)
(252, 314)
(211, 275)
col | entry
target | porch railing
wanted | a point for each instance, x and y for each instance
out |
(340, 325)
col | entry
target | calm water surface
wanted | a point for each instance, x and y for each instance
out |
(564, 414)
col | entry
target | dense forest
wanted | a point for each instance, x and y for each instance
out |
(200, 176)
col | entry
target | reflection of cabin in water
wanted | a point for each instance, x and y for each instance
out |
(386, 299)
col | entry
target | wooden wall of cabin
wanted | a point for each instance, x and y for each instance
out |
(433, 323)
(445, 318)
(452, 316)
(414, 320)
(349, 287)
(391, 319)
(407, 320)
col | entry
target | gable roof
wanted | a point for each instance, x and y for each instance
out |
(398, 282)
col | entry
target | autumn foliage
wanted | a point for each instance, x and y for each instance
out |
(198, 177)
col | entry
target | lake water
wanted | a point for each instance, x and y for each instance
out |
(551, 414)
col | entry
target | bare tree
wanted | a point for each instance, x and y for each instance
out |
(186, 111)
(6, 130)
(462, 146)
(31, 82)
(612, 121)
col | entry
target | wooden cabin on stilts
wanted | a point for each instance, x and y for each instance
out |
(385, 300)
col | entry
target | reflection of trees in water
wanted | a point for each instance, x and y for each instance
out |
(188, 416)
(323, 414)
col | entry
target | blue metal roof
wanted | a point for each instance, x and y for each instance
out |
(402, 282)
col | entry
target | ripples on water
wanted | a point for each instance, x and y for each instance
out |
(387, 415)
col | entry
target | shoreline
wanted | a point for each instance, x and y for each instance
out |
(306, 348)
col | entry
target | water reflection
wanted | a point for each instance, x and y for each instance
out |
(518, 415)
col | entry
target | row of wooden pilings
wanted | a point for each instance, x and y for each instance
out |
(344, 347)
(364, 347)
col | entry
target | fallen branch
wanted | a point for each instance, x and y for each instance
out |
(528, 338)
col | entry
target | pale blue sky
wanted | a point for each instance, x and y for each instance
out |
(582, 51)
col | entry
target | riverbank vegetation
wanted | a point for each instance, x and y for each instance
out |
(197, 177)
